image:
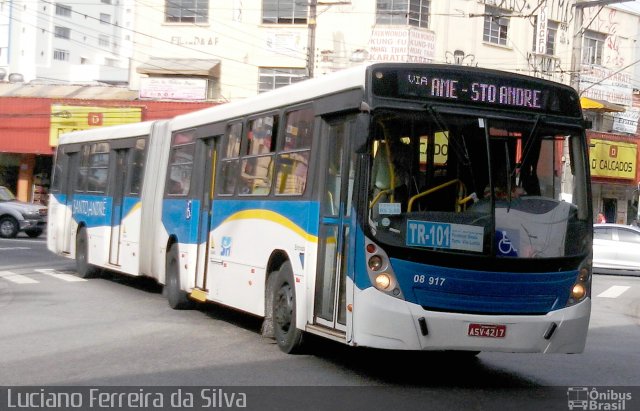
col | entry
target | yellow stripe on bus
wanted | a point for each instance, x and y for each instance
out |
(273, 217)
(133, 209)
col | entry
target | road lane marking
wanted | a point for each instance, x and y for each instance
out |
(61, 276)
(614, 291)
(17, 278)
(14, 248)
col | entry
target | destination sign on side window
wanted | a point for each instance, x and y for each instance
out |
(474, 87)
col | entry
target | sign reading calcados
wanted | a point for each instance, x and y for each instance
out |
(613, 159)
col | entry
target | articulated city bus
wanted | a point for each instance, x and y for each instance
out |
(397, 206)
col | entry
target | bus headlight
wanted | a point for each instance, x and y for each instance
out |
(375, 263)
(380, 272)
(383, 281)
(578, 292)
(582, 286)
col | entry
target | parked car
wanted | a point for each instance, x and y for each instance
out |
(16, 216)
(616, 249)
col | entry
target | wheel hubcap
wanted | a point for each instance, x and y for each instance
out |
(6, 228)
(284, 308)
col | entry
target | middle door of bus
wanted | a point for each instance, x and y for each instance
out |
(333, 251)
(119, 180)
(207, 156)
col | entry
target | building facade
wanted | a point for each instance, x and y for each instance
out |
(33, 116)
(64, 41)
(202, 51)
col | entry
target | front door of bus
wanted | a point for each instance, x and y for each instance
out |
(331, 281)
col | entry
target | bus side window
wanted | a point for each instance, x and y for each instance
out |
(98, 167)
(228, 175)
(83, 170)
(181, 164)
(293, 163)
(137, 166)
(256, 171)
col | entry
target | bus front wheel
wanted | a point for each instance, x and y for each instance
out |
(84, 269)
(288, 337)
(178, 299)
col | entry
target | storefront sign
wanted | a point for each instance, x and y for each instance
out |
(626, 122)
(613, 159)
(65, 119)
(402, 45)
(603, 84)
(191, 89)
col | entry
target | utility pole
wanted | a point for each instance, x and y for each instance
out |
(311, 41)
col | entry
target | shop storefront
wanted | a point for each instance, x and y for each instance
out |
(29, 130)
(614, 176)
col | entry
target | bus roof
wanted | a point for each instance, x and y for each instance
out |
(107, 133)
(306, 90)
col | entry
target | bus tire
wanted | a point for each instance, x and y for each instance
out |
(33, 233)
(288, 337)
(178, 299)
(84, 269)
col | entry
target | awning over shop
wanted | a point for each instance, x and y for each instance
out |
(600, 105)
(181, 67)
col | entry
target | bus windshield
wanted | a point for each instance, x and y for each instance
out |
(509, 188)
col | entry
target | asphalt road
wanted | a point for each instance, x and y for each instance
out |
(59, 330)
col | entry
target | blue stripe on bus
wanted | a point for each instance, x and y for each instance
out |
(304, 214)
(180, 216)
(96, 210)
(93, 210)
(450, 289)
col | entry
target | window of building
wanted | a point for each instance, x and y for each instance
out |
(284, 12)
(62, 32)
(103, 40)
(105, 18)
(273, 78)
(63, 10)
(186, 11)
(496, 26)
(552, 34)
(403, 12)
(61, 55)
(592, 46)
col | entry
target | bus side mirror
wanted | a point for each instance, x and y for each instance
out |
(361, 136)
(587, 124)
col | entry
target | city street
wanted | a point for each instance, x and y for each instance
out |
(58, 329)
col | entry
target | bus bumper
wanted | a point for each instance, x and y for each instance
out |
(382, 321)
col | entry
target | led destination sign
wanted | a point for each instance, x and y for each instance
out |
(499, 90)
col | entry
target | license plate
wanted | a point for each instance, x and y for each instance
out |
(487, 330)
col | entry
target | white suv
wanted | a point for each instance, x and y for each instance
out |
(16, 216)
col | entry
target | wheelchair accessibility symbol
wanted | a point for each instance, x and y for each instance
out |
(505, 246)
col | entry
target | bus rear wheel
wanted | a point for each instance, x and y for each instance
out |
(178, 299)
(288, 337)
(84, 269)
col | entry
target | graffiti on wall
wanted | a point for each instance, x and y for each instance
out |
(607, 21)
(460, 58)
